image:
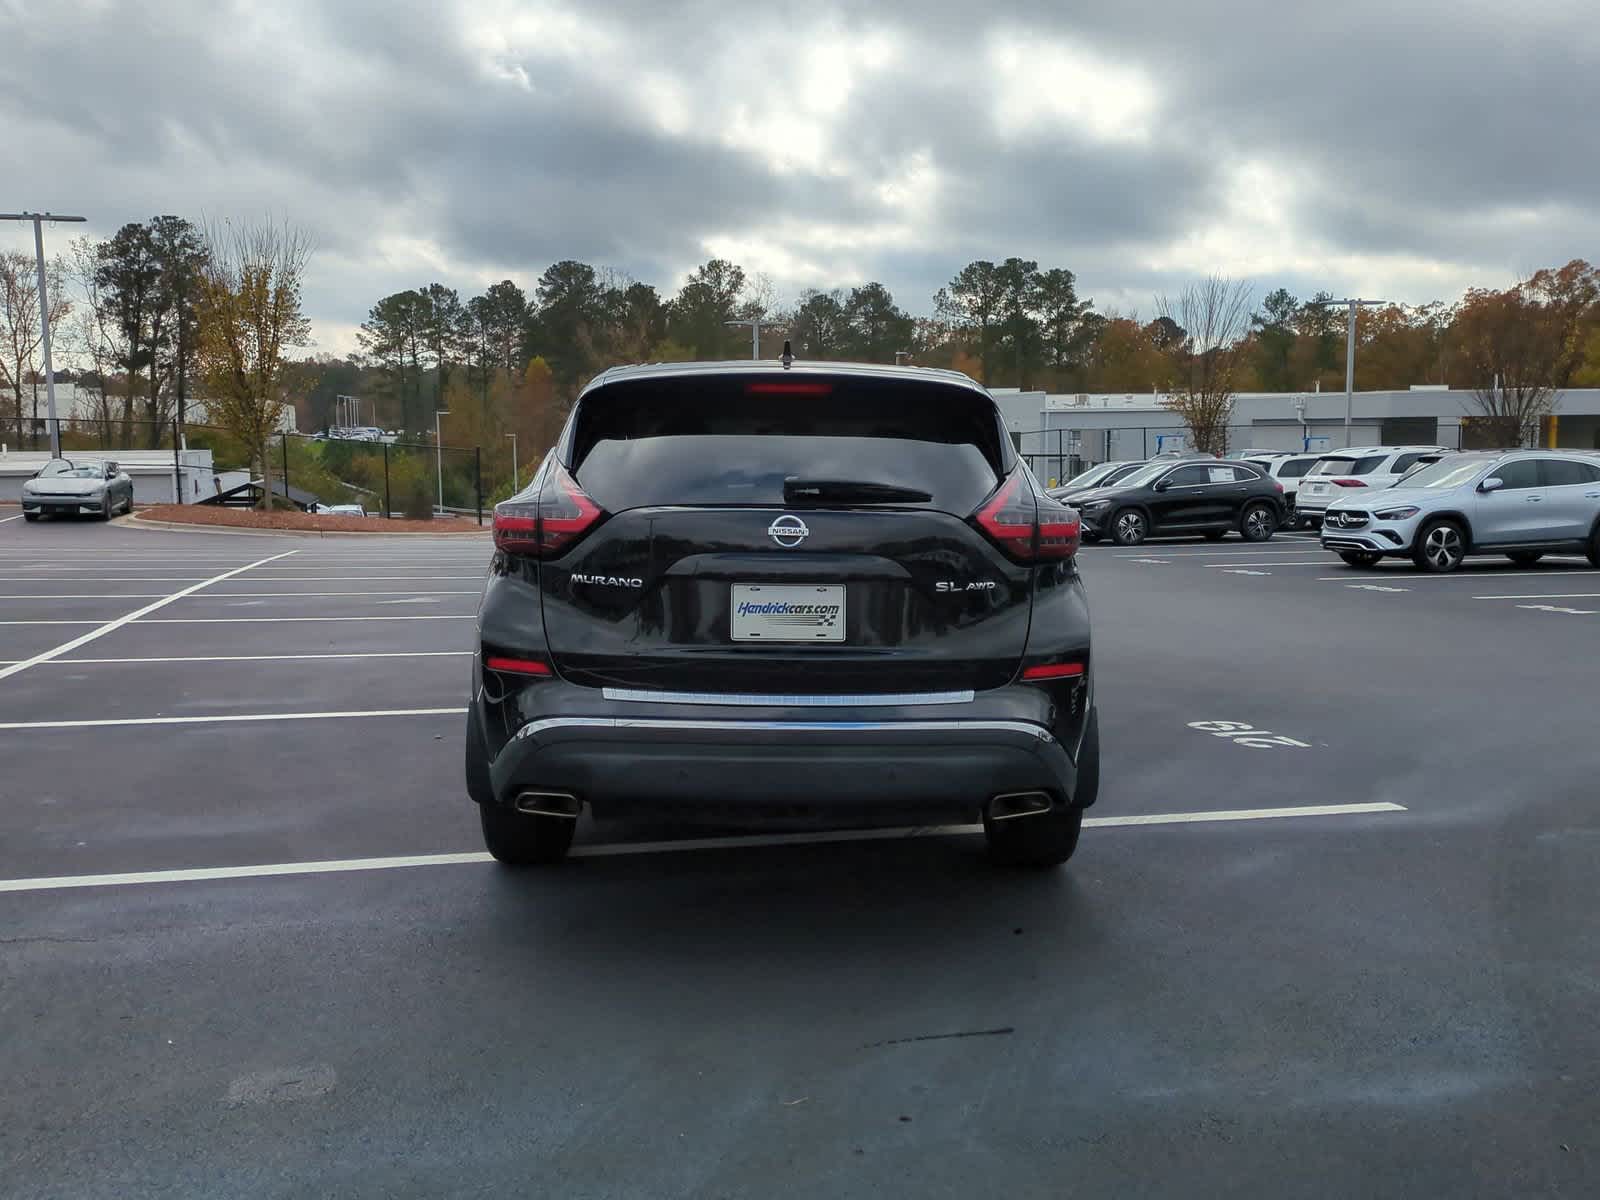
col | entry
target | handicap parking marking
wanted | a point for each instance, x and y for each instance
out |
(684, 845)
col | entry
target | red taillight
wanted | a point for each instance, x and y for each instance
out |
(1058, 536)
(1008, 523)
(1279, 486)
(562, 515)
(517, 666)
(1350, 482)
(1053, 671)
(796, 388)
(1028, 532)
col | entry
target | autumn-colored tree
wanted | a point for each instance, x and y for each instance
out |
(1215, 313)
(1122, 357)
(249, 314)
(1518, 347)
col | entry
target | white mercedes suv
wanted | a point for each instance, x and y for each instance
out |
(1520, 503)
(1341, 471)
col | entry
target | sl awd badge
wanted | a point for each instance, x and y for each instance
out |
(788, 531)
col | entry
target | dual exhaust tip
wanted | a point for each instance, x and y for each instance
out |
(1010, 805)
(549, 804)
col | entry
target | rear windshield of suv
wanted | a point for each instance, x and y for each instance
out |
(735, 439)
(1348, 466)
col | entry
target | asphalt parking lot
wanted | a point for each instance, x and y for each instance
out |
(1333, 931)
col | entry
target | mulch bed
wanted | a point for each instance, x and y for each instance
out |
(249, 518)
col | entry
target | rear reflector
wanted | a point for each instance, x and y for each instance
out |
(517, 666)
(1350, 483)
(1053, 671)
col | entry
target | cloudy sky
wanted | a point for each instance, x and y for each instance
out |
(1404, 149)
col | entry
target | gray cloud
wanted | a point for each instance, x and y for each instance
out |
(1405, 149)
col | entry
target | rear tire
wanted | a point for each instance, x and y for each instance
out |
(1360, 558)
(524, 839)
(1440, 547)
(1525, 558)
(1258, 523)
(1129, 527)
(1049, 839)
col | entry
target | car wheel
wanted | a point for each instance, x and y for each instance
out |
(1440, 547)
(1049, 839)
(1129, 527)
(30, 517)
(1360, 558)
(1216, 535)
(1258, 523)
(1525, 558)
(520, 839)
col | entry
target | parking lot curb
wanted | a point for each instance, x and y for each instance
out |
(134, 521)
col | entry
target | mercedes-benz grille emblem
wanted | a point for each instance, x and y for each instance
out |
(788, 531)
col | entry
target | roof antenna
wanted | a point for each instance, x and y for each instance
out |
(788, 354)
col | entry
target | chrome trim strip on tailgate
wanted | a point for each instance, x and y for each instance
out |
(773, 700)
(663, 723)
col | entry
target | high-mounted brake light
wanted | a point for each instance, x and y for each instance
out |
(786, 388)
(1038, 532)
(1053, 671)
(517, 666)
(544, 528)
(1350, 482)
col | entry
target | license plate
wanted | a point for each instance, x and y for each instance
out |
(1315, 489)
(788, 613)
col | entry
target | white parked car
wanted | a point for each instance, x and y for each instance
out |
(1336, 474)
(1520, 503)
(339, 510)
(1287, 469)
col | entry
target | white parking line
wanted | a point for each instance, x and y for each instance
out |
(3, 520)
(617, 849)
(1153, 548)
(228, 718)
(219, 595)
(1546, 596)
(127, 618)
(282, 620)
(214, 658)
(1269, 562)
(1455, 576)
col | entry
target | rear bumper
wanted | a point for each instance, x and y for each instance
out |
(847, 764)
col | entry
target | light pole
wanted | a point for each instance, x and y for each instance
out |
(1350, 358)
(438, 448)
(38, 220)
(515, 486)
(755, 334)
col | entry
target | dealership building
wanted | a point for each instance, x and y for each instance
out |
(1063, 434)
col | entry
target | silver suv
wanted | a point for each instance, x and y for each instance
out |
(1520, 503)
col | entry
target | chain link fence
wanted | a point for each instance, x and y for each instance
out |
(385, 477)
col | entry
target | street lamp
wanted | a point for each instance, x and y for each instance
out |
(1349, 357)
(438, 448)
(38, 220)
(515, 487)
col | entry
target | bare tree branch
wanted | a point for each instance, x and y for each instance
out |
(1213, 315)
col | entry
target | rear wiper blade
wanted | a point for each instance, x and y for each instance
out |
(849, 491)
